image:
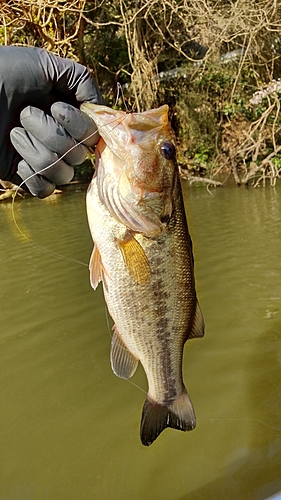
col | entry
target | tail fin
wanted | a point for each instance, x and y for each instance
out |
(156, 417)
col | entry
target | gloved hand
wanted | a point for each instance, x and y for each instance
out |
(42, 92)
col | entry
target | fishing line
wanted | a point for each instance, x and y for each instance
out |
(30, 241)
(119, 94)
(137, 386)
(50, 252)
(108, 317)
(246, 420)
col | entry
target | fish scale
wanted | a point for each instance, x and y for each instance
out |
(147, 275)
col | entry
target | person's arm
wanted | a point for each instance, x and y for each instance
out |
(40, 95)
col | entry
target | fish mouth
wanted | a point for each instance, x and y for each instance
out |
(122, 129)
(129, 183)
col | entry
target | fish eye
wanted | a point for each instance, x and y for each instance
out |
(167, 149)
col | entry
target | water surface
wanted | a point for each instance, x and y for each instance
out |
(69, 429)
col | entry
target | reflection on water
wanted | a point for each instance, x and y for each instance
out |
(69, 428)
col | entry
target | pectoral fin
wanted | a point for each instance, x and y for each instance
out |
(123, 363)
(135, 259)
(95, 267)
(198, 326)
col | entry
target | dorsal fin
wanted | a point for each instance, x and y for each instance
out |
(198, 326)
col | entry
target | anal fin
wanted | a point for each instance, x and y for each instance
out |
(123, 363)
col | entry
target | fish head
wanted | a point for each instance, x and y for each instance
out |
(137, 151)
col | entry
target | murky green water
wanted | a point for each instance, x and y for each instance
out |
(69, 429)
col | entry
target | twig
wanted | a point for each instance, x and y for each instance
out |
(193, 178)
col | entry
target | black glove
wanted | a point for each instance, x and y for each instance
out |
(42, 92)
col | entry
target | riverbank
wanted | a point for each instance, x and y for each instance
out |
(11, 191)
(222, 179)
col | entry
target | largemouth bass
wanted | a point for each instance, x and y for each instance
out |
(143, 256)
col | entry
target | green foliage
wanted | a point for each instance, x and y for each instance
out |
(84, 172)
(277, 161)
